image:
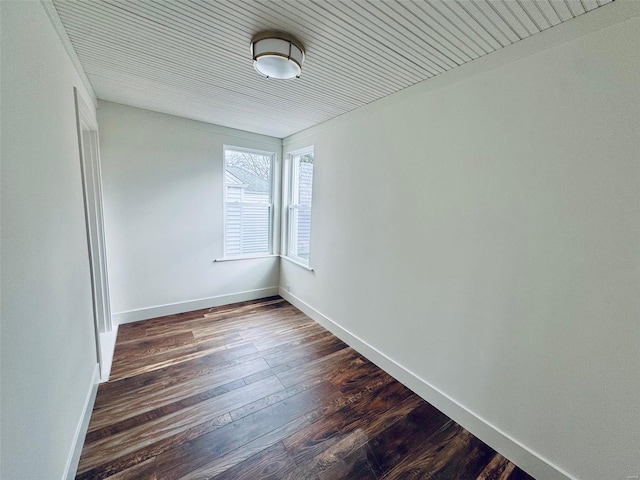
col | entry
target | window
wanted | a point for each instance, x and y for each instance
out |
(300, 181)
(248, 203)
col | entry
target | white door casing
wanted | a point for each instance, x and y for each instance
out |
(92, 191)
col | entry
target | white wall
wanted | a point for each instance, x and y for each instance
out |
(48, 344)
(163, 186)
(482, 231)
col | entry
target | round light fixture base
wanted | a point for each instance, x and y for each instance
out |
(277, 55)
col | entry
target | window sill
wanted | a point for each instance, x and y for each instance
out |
(249, 257)
(254, 257)
(295, 262)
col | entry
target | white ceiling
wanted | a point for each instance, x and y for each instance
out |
(191, 58)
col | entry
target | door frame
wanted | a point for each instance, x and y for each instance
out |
(90, 168)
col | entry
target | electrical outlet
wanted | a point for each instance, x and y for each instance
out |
(288, 288)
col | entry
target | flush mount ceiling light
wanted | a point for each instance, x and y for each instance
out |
(277, 55)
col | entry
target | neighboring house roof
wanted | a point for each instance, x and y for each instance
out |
(254, 183)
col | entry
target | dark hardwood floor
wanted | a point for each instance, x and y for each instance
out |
(257, 390)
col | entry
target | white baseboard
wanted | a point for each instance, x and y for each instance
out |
(107, 347)
(82, 427)
(500, 441)
(181, 307)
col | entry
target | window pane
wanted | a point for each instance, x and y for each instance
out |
(300, 232)
(247, 202)
(247, 228)
(247, 176)
(305, 179)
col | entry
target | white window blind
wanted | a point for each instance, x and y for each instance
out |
(248, 202)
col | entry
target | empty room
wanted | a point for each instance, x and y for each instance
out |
(320, 239)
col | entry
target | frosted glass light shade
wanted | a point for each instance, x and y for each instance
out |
(277, 55)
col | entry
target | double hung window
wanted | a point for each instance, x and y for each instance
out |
(248, 202)
(300, 179)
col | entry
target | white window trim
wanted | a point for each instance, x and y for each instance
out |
(293, 260)
(288, 206)
(258, 257)
(247, 257)
(241, 256)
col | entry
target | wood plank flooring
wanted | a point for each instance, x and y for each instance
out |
(257, 390)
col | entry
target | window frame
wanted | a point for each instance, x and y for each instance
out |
(292, 190)
(270, 204)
